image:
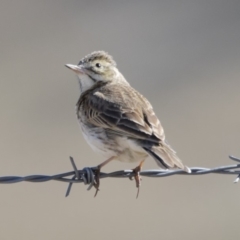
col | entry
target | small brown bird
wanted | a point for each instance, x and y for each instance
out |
(116, 120)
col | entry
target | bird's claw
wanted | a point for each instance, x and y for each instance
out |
(137, 178)
(96, 184)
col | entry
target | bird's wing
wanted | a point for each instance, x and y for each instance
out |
(121, 109)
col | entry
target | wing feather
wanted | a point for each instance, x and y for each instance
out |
(121, 109)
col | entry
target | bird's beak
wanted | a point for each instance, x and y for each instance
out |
(75, 68)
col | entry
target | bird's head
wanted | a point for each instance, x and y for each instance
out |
(95, 67)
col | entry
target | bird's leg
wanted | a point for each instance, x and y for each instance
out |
(137, 177)
(97, 173)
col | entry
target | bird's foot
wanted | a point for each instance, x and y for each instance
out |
(137, 177)
(96, 171)
(96, 179)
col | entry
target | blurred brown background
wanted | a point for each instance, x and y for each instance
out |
(184, 56)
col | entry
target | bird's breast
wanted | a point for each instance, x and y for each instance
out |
(108, 145)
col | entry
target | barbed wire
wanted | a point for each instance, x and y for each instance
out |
(87, 174)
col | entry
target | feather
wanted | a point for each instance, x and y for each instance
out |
(125, 111)
(166, 157)
(122, 111)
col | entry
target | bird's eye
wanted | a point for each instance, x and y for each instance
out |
(98, 65)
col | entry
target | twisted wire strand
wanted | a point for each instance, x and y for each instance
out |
(87, 174)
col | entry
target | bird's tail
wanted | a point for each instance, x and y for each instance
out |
(166, 157)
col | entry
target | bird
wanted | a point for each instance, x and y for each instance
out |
(116, 120)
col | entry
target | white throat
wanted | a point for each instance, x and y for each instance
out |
(85, 82)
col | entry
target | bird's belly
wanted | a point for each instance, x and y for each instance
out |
(130, 150)
(96, 138)
(125, 150)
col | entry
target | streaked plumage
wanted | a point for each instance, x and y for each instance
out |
(116, 119)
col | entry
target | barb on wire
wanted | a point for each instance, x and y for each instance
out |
(87, 174)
